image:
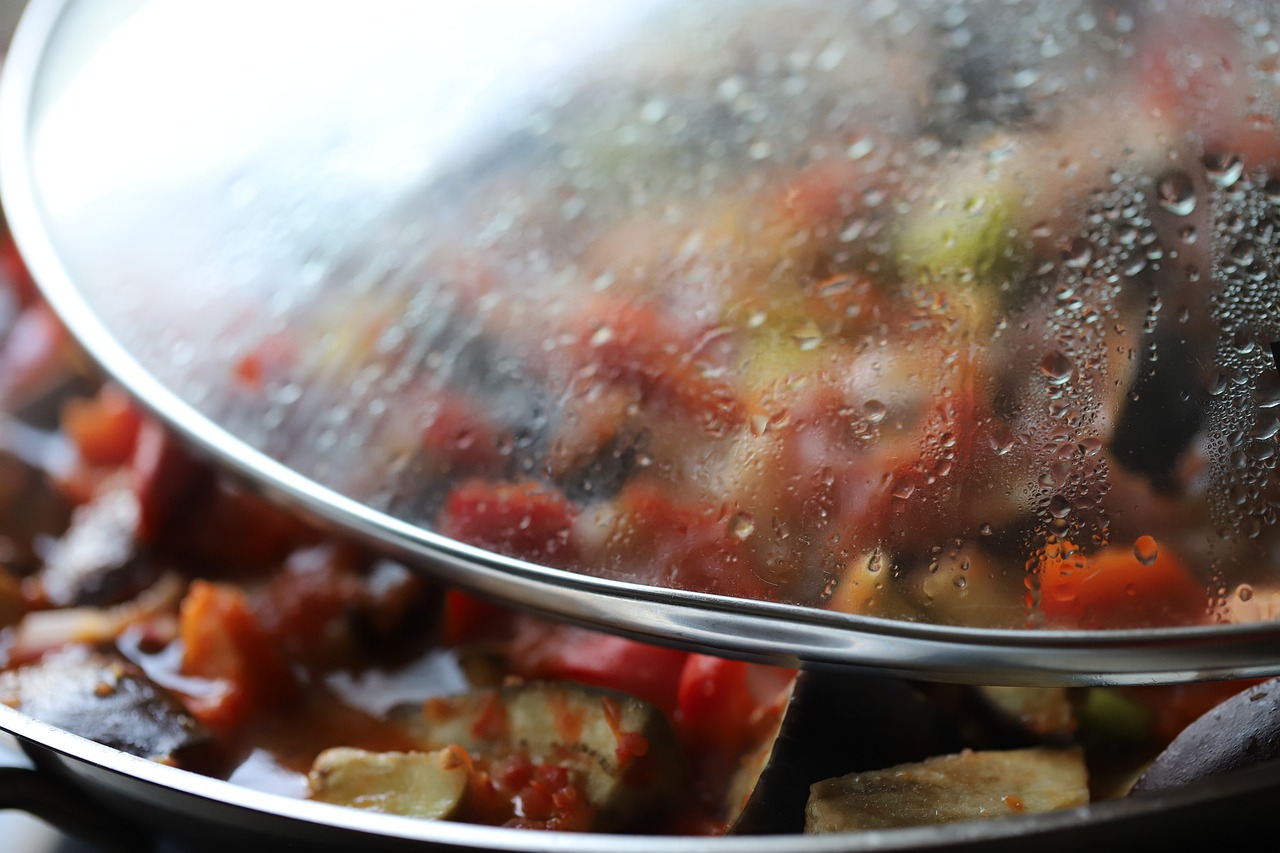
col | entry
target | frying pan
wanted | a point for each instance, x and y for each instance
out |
(120, 798)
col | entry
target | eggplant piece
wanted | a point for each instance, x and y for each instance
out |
(833, 725)
(96, 562)
(1161, 416)
(1240, 732)
(950, 788)
(1035, 713)
(624, 748)
(430, 785)
(100, 695)
(30, 508)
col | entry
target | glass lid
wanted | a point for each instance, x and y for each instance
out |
(930, 336)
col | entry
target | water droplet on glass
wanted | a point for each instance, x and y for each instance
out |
(1242, 253)
(874, 411)
(1272, 190)
(1078, 253)
(1268, 398)
(1224, 169)
(1090, 446)
(1001, 439)
(903, 489)
(985, 529)
(961, 582)
(1177, 194)
(1146, 550)
(1059, 507)
(1244, 592)
(741, 526)
(1056, 367)
(808, 336)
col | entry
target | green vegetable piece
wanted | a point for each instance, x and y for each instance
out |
(1108, 715)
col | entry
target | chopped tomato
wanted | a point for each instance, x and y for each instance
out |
(721, 702)
(227, 527)
(304, 608)
(104, 427)
(459, 432)
(223, 642)
(547, 650)
(683, 544)
(467, 619)
(625, 342)
(1114, 589)
(164, 477)
(715, 704)
(526, 520)
(1191, 70)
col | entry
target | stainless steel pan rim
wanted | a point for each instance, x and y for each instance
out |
(773, 633)
(162, 784)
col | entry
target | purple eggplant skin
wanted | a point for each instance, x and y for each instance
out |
(98, 694)
(1240, 732)
(836, 724)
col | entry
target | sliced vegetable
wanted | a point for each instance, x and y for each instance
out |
(950, 788)
(550, 651)
(1241, 732)
(416, 784)
(98, 694)
(833, 724)
(623, 749)
(527, 520)
(224, 644)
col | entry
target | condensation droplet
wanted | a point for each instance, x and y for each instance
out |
(1001, 439)
(1078, 253)
(1244, 592)
(1057, 368)
(808, 336)
(1272, 191)
(1224, 169)
(1242, 253)
(1059, 507)
(874, 411)
(741, 526)
(1146, 550)
(1177, 194)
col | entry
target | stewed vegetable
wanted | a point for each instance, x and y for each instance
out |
(947, 315)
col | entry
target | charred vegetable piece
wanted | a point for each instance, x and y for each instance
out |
(1242, 731)
(950, 788)
(30, 508)
(98, 694)
(96, 562)
(625, 748)
(416, 784)
(834, 724)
